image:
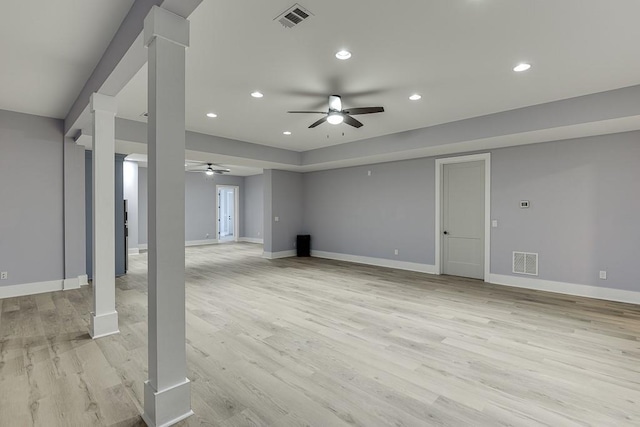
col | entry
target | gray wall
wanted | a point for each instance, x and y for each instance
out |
(130, 193)
(119, 214)
(283, 198)
(31, 198)
(200, 204)
(585, 209)
(349, 212)
(583, 217)
(74, 210)
(253, 206)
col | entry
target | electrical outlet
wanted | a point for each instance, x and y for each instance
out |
(4, 275)
(276, 219)
(368, 173)
(603, 274)
(395, 251)
(206, 236)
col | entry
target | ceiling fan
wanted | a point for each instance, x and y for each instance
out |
(337, 115)
(211, 170)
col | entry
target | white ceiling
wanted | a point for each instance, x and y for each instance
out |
(48, 49)
(458, 54)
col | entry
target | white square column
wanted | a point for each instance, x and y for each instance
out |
(167, 393)
(104, 318)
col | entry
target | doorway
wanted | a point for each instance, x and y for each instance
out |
(227, 201)
(463, 208)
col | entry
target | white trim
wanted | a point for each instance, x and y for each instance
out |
(83, 279)
(134, 251)
(236, 213)
(200, 242)
(103, 325)
(277, 255)
(487, 206)
(72, 283)
(252, 240)
(380, 262)
(145, 246)
(619, 295)
(30, 288)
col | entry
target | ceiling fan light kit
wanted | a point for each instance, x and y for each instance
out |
(335, 118)
(336, 114)
(210, 171)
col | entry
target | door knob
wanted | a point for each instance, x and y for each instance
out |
(446, 232)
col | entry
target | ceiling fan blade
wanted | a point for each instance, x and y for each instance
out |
(351, 121)
(319, 122)
(364, 110)
(310, 112)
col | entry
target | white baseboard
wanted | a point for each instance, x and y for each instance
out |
(588, 291)
(276, 255)
(252, 240)
(73, 283)
(84, 280)
(145, 246)
(380, 262)
(201, 242)
(30, 288)
(134, 251)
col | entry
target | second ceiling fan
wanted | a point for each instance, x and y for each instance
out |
(336, 115)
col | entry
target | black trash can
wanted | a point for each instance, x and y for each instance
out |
(303, 245)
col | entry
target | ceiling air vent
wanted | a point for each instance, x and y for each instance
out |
(525, 263)
(293, 16)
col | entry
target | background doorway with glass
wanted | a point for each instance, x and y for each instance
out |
(227, 213)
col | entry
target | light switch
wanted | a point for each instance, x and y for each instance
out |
(494, 223)
(276, 219)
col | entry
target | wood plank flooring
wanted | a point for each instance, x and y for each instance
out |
(311, 342)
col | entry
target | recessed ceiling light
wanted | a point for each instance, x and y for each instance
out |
(212, 115)
(343, 54)
(257, 94)
(415, 97)
(521, 67)
(286, 132)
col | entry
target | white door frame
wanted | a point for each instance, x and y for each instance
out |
(236, 214)
(486, 157)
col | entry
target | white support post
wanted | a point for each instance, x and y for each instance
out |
(104, 319)
(167, 393)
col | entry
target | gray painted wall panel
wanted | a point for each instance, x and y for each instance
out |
(74, 210)
(346, 211)
(253, 206)
(143, 203)
(31, 198)
(267, 224)
(200, 204)
(287, 203)
(584, 214)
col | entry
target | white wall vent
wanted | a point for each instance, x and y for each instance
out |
(293, 16)
(525, 263)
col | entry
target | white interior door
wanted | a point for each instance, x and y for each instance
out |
(463, 222)
(227, 211)
(230, 212)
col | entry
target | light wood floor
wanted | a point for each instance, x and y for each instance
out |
(300, 342)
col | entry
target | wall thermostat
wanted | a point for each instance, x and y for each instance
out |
(524, 204)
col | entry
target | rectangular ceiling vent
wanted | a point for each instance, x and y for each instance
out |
(293, 16)
(525, 263)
